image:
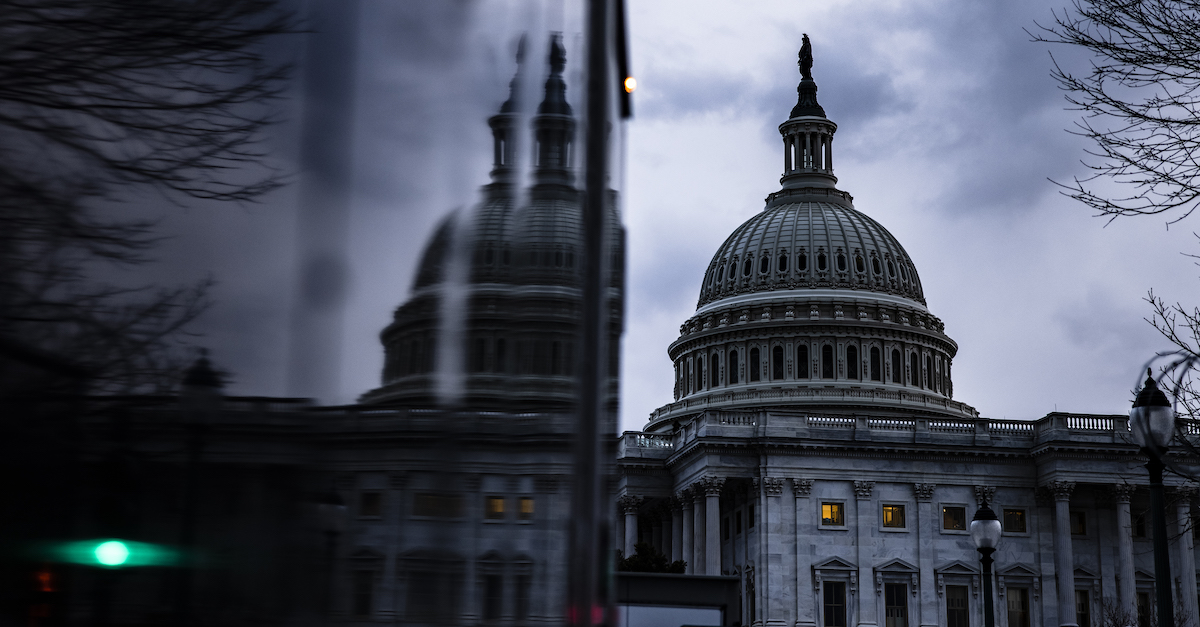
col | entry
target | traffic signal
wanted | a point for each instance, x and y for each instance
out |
(113, 553)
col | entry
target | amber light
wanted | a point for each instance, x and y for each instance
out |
(630, 84)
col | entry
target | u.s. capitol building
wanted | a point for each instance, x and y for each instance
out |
(814, 447)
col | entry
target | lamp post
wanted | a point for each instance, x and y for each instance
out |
(1152, 423)
(985, 532)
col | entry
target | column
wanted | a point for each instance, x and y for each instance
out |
(818, 149)
(1126, 586)
(829, 154)
(1064, 559)
(1186, 554)
(712, 524)
(787, 153)
(676, 529)
(865, 524)
(775, 607)
(687, 552)
(926, 537)
(806, 611)
(698, 530)
(629, 505)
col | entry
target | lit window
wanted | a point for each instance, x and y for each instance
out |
(1078, 524)
(495, 508)
(370, 504)
(526, 511)
(832, 515)
(893, 516)
(954, 518)
(1014, 520)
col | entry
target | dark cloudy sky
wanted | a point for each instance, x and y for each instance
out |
(949, 127)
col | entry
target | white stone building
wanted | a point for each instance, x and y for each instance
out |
(814, 447)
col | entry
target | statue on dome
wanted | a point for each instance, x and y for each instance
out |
(806, 59)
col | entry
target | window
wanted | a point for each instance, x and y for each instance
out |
(895, 605)
(493, 597)
(875, 265)
(1014, 520)
(753, 365)
(841, 262)
(827, 362)
(747, 267)
(891, 269)
(859, 264)
(802, 262)
(732, 375)
(822, 264)
(801, 362)
(832, 515)
(714, 373)
(364, 586)
(777, 363)
(494, 509)
(897, 368)
(1144, 609)
(914, 375)
(783, 263)
(1018, 607)
(928, 369)
(499, 364)
(851, 362)
(893, 516)
(720, 274)
(1078, 524)
(437, 505)
(526, 508)
(957, 612)
(764, 265)
(876, 364)
(521, 598)
(834, 604)
(954, 518)
(370, 504)
(1083, 609)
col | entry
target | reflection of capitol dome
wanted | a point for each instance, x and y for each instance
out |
(523, 252)
(812, 305)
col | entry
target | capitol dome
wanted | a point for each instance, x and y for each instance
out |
(811, 306)
(519, 290)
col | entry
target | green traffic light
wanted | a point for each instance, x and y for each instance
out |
(112, 553)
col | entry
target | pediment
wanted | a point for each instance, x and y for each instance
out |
(956, 567)
(897, 566)
(1141, 575)
(1081, 573)
(1017, 570)
(834, 563)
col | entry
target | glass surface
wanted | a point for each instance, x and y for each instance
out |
(985, 533)
(834, 606)
(1018, 607)
(954, 518)
(1152, 425)
(1014, 521)
(893, 516)
(831, 514)
(957, 612)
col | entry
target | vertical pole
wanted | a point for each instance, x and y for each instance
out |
(1162, 557)
(989, 612)
(588, 571)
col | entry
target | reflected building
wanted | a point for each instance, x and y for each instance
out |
(815, 449)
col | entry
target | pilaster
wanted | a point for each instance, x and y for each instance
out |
(806, 612)
(926, 537)
(865, 526)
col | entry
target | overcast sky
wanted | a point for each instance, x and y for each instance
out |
(949, 127)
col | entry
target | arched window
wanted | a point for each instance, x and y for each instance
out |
(891, 269)
(714, 373)
(802, 361)
(827, 362)
(691, 376)
(841, 262)
(876, 365)
(764, 264)
(700, 372)
(897, 368)
(822, 264)
(753, 366)
(777, 363)
(914, 377)
(927, 373)
(720, 273)
(859, 265)
(746, 267)
(732, 375)
(851, 362)
(875, 265)
(802, 262)
(783, 263)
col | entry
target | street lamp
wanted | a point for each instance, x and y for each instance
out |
(1152, 423)
(985, 532)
